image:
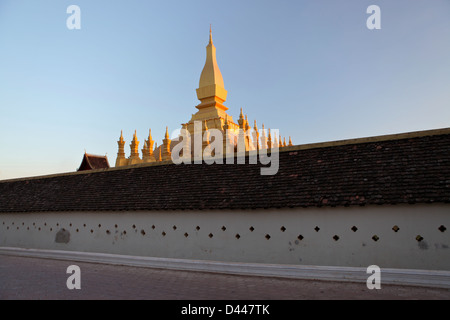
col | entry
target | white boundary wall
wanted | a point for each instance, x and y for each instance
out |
(243, 236)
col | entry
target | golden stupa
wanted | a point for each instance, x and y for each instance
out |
(212, 114)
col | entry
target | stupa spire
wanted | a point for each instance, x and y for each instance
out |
(120, 160)
(211, 74)
(211, 90)
(210, 35)
(134, 146)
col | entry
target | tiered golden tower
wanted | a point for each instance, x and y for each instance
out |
(212, 115)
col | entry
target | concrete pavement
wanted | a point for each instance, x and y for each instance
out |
(37, 278)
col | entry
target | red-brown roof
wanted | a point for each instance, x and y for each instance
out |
(92, 162)
(361, 172)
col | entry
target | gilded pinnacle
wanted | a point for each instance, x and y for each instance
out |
(210, 35)
(211, 74)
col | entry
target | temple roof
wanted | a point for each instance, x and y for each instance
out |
(92, 162)
(396, 169)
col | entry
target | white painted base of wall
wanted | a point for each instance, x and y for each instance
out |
(424, 278)
(400, 237)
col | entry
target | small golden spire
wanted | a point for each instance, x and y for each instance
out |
(167, 133)
(150, 143)
(284, 142)
(159, 157)
(166, 154)
(226, 124)
(210, 34)
(120, 161)
(241, 121)
(256, 137)
(290, 142)
(207, 133)
(134, 146)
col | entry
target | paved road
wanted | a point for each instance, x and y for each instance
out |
(35, 278)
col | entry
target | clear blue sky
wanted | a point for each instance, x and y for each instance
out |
(309, 68)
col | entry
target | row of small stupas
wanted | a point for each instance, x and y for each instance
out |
(211, 114)
(151, 152)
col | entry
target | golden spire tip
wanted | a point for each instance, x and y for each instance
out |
(210, 34)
